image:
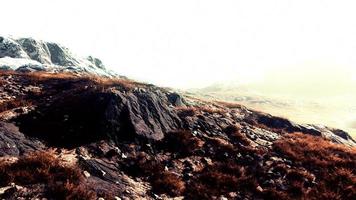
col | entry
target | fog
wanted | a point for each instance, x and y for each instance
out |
(295, 50)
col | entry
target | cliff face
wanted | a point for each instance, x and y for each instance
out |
(128, 140)
(28, 55)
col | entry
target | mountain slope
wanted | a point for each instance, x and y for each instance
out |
(71, 129)
(115, 137)
(27, 54)
(300, 102)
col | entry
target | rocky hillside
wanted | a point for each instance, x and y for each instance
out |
(65, 136)
(28, 55)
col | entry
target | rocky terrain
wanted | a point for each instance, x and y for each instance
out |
(65, 136)
(28, 55)
(71, 129)
(331, 104)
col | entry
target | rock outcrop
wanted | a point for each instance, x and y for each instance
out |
(28, 54)
(78, 135)
(15, 143)
(119, 139)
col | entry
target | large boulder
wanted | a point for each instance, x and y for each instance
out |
(14, 143)
(76, 118)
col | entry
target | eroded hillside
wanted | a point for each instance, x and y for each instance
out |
(65, 136)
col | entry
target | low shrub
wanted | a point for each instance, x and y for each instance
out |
(62, 182)
(235, 134)
(168, 183)
(219, 179)
(186, 111)
(15, 103)
(332, 165)
(182, 142)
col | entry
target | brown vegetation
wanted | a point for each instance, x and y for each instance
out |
(181, 142)
(15, 103)
(62, 182)
(211, 110)
(235, 134)
(315, 151)
(99, 81)
(332, 165)
(231, 105)
(167, 182)
(162, 181)
(220, 179)
(186, 111)
(191, 111)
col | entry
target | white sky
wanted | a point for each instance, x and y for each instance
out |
(190, 43)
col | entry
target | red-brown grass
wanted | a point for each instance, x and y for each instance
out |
(191, 111)
(333, 166)
(231, 105)
(235, 134)
(315, 151)
(219, 179)
(44, 168)
(221, 148)
(14, 103)
(168, 183)
(182, 142)
(186, 111)
(211, 110)
(162, 181)
(42, 77)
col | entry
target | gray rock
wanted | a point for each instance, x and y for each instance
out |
(48, 56)
(14, 143)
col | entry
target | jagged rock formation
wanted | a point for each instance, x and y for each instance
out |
(27, 54)
(134, 141)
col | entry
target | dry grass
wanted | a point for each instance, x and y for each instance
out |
(62, 182)
(162, 181)
(169, 183)
(220, 148)
(181, 142)
(47, 77)
(211, 110)
(333, 166)
(230, 105)
(235, 134)
(127, 84)
(186, 111)
(44, 76)
(315, 151)
(15, 103)
(191, 111)
(219, 179)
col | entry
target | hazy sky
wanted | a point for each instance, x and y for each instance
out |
(190, 43)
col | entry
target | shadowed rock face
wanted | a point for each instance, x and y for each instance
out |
(74, 117)
(15, 143)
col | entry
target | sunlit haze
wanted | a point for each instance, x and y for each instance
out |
(300, 48)
(194, 43)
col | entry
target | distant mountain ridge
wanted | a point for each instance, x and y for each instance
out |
(334, 110)
(28, 54)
